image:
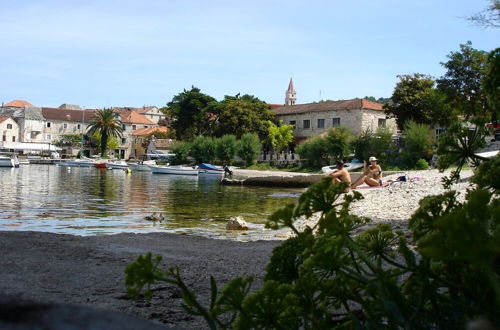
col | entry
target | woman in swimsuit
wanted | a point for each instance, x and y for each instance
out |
(372, 174)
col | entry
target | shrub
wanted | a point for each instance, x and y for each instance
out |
(248, 148)
(203, 149)
(421, 164)
(181, 151)
(314, 151)
(225, 148)
(418, 144)
(339, 142)
(379, 144)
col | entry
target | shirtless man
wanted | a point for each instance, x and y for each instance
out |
(341, 175)
(372, 175)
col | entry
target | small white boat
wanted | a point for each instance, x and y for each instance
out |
(142, 166)
(348, 166)
(209, 169)
(119, 164)
(83, 162)
(177, 169)
(8, 159)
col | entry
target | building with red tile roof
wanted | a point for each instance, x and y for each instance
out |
(18, 104)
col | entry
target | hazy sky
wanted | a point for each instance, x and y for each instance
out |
(143, 52)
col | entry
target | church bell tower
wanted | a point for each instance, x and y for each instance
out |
(290, 94)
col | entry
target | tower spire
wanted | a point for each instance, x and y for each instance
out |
(290, 94)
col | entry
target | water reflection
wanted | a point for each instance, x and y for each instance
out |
(89, 201)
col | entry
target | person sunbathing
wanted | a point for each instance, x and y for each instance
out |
(340, 175)
(372, 174)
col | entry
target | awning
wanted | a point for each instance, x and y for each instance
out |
(29, 146)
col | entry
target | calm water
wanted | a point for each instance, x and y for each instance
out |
(90, 201)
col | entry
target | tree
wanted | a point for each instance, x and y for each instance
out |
(279, 136)
(490, 17)
(418, 143)
(203, 149)
(249, 147)
(378, 144)
(69, 140)
(414, 98)
(225, 148)
(181, 151)
(462, 81)
(106, 123)
(189, 114)
(339, 142)
(241, 115)
(491, 82)
(315, 151)
(96, 138)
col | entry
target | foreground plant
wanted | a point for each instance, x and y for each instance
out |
(336, 275)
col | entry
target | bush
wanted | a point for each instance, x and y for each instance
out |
(314, 151)
(249, 148)
(339, 142)
(225, 148)
(203, 149)
(421, 164)
(418, 143)
(379, 144)
(181, 151)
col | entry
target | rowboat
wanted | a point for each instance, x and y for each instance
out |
(83, 162)
(175, 169)
(143, 166)
(209, 169)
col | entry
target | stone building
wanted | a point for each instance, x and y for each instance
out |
(152, 113)
(9, 130)
(140, 140)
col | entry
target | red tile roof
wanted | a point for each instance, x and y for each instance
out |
(147, 131)
(68, 115)
(2, 119)
(133, 117)
(18, 103)
(329, 106)
(275, 106)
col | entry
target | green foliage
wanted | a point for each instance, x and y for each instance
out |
(240, 115)
(487, 176)
(203, 149)
(249, 147)
(181, 150)
(379, 144)
(418, 144)
(462, 81)
(328, 277)
(491, 80)
(490, 17)
(314, 151)
(279, 136)
(225, 148)
(414, 98)
(339, 142)
(421, 164)
(189, 113)
(96, 140)
(106, 123)
(69, 140)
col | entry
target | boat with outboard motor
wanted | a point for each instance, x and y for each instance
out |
(8, 159)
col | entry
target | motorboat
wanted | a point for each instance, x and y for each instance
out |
(175, 169)
(348, 166)
(209, 169)
(119, 164)
(8, 159)
(79, 162)
(142, 166)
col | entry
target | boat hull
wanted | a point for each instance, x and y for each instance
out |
(174, 170)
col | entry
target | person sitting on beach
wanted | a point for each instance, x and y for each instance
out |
(372, 174)
(340, 175)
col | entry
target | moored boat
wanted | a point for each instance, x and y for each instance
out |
(210, 169)
(8, 159)
(119, 164)
(177, 170)
(83, 162)
(349, 166)
(142, 166)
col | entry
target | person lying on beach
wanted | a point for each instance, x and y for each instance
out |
(372, 174)
(340, 175)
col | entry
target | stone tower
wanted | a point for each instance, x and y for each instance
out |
(290, 94)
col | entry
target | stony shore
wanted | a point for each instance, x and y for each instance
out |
(89, 270)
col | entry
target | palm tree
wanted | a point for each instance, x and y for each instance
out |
(107, 125)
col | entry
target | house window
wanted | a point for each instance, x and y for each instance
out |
(439, 131)
(293, 123)
(335, 122)
(13, 139)
(145, 127)
(124, 140)
(4, 138)
(123, 127)
(306, 124)
(65, 126)
(48, 124)
(48, 137)
(381, 122)
(321, 123)
(134, 127)
(9, 126)
(78, 126)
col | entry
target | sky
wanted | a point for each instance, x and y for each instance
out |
(134, 53)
